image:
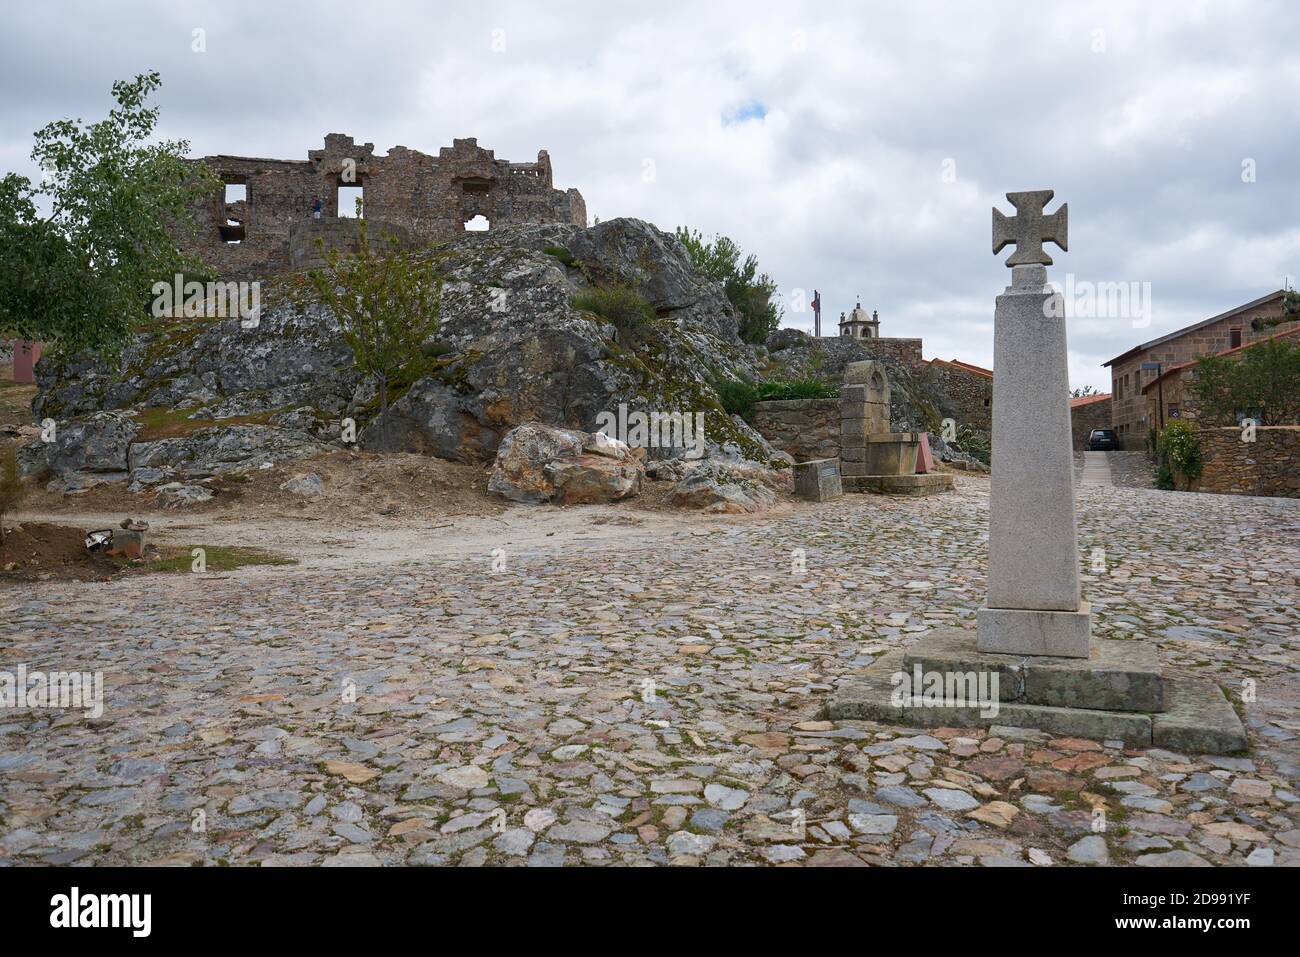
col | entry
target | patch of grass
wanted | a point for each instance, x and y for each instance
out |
(219, 558)
(162, 423)
(562, 254)
(620, 304)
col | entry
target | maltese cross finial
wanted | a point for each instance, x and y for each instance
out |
(1030, 227)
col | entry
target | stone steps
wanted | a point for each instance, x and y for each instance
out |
(1197, 717)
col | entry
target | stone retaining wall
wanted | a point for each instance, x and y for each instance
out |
(1268, 466)
(805, 428)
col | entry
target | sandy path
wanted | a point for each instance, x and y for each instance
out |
(317, 543)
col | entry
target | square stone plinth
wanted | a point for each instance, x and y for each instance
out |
(1116, 676)
(1198, 718)
(818, 480)
(1019, 631)
(873, 697)
(928, 484)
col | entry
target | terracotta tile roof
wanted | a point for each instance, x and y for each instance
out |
(1089, 399)
(966, 366)
(1165, 373)
(1254, 304)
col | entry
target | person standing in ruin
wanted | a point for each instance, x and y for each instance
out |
(315, 207)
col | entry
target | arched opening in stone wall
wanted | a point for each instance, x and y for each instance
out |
(479, 224)
(352, 201)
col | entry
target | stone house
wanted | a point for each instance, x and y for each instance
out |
(262, 222)
(1088, 412)
(1172, 386)
(1130, 417)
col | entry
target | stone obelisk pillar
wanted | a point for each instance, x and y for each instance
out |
(1034, 606)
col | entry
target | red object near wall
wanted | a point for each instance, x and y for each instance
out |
(924, 458)
(26, 355)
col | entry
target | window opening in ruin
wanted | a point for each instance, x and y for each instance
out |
(232, 230)
(475, 187)
(235, 193)
(1235, 339)
(348, 198)
(479, 224)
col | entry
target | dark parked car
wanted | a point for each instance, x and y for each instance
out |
(1102, 440)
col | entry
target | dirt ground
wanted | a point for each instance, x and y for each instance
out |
(41, 551)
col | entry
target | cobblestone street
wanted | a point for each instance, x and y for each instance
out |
(647, 698)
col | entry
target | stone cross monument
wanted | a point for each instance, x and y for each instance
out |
(1034, 606)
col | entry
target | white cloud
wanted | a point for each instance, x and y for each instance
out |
(837, 186)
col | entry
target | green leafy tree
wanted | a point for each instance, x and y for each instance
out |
(751, 292)
(388, 304)
(1262, 381)
(80, 275)
(1083, 392)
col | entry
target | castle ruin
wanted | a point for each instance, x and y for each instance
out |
(262, 222)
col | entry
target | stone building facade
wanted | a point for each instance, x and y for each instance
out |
(1173, 387)
(1258, 319)
(419, 197)
(1087, 413)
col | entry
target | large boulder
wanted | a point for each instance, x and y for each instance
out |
(220, 449)
(517, 343)
(730, 487)
(98, 444)
(537, 463)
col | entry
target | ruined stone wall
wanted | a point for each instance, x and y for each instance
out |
(428, 198)
(805, 428)
(312, 240)
(1268, 466)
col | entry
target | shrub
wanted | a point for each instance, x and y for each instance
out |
(975, 443)
(1164, 478)
(810, 388)
(738, 396)
(11, 486)
(620, 304)
(752, 293)
(388, 304)
(1178, 450)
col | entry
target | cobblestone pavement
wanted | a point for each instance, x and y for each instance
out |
(649, 700)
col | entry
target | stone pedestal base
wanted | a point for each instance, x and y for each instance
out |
(818, 480)
(929, 484)
(1119, 693)
(1017, 631)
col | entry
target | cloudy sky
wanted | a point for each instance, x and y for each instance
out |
(855, 148)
